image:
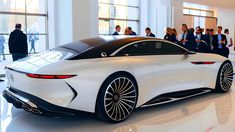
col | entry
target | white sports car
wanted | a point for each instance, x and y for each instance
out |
(113, 76)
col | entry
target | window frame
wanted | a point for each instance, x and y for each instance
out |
(27, 14)
(109, 19)
(189, 10)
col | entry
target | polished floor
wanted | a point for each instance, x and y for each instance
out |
(206, 113)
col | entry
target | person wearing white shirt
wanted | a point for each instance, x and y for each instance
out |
(229, 39)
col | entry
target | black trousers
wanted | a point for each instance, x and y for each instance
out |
(224, 51)
(17, 56)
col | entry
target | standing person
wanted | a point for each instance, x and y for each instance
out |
(203, 31)
(201, 41)
(131, 31)
(207, 31)
(175, 34)
(199, 37)
(32, 39)
(221, 48)
(228, 37)
(207, 36)
(212, 40)
(2, 47)
(169, 35)
(118, 29)
(18, 46)
(127, 31)
(149, 33)
(188, 39)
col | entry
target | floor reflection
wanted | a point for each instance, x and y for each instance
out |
(210, 112)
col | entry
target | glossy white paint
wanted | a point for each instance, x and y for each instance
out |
(155, 75)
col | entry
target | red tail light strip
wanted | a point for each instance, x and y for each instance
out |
(203, 63)
(50, 76)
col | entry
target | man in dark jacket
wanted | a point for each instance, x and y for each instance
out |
(149, 33)
(211, 40)
(117, 30)
(18, 46)
(188, 39)
(220, 47)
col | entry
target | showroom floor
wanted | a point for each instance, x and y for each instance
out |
(207, 113)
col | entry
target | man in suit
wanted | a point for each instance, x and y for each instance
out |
(149, 33)
(118, 29)
(18, 46)
(220, 47)
(188, 39)
(211, 40)
(200, 41)
(198, 37)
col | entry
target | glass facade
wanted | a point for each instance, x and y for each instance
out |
(118, 12)
(202, 18)
(198, 12)
(32, 14)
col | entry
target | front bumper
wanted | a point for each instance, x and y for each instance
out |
(36, 105)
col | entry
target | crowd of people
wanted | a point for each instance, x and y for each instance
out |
(198, 40)
(192, 39)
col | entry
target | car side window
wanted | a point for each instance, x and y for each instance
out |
(165, 48)
(151, 48)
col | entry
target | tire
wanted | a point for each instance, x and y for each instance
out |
(117, 98)
(224, 78)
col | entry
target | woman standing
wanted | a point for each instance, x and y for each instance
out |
(170, 36)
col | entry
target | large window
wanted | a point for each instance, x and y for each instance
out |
(32, 14)
(199, 15)
(198, 12)
(118, 12)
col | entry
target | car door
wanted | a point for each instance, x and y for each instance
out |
(160, 67)
(174, 70)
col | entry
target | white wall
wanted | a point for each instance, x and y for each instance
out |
(71, 20)
(226, 19)
(155, 14)
(144, 17)
(63, 24)
(85, 19)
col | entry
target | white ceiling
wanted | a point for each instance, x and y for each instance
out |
(215, 3)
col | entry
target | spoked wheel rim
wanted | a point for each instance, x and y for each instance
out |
(120, 99)
(226, 77)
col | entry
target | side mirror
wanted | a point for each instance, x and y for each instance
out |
(104, 54)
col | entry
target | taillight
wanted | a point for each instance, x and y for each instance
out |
(203, 63)
(50, 76)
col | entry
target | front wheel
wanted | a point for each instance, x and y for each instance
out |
(225, 78)
(117, 98)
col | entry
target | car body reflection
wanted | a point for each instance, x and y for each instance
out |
(205, 113)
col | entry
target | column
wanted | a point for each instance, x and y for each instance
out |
(85, 19)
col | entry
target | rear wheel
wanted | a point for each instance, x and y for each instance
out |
(225, 78)
(117, 98)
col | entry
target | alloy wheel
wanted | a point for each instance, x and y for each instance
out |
(120, 99)
(226, 77)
